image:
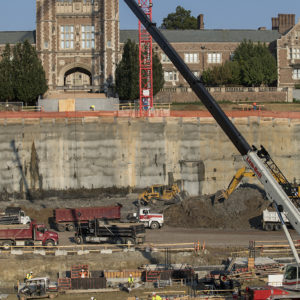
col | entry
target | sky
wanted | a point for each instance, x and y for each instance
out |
(218, 14)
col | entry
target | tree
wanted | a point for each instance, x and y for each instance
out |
(257, 64)
(252, 65)
(6, 76)
(181, 19)
(28, 74)
(127, 73)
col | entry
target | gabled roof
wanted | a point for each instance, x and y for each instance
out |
(14, 37)
(209, 35)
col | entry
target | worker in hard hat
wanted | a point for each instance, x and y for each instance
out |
(29, 276)
(155, 296)
(130, 281)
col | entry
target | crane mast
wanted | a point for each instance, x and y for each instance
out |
(145, 60)
(256, 160)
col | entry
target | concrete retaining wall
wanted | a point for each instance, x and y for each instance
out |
(106, 151)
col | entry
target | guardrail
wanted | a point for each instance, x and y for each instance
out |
(100, 248)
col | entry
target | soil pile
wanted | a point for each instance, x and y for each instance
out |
(242, 210)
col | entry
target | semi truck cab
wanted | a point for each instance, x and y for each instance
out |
(150, 220)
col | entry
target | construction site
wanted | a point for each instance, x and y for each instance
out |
(147, 202)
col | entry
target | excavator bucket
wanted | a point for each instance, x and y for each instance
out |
(221, 195)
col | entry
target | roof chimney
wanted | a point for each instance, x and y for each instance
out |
(200, 22)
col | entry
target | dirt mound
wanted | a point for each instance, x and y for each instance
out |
(242, 210)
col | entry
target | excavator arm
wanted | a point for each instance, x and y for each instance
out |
(259, 161)
(239, 175)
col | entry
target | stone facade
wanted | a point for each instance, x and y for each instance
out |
(78, 42)
(288, 58)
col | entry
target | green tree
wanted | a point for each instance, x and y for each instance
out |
(257, 64)
(28, 73)
(127, 73)
(252, 65)
(6, 76)
(181, 19)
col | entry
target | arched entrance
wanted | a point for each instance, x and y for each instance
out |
(78, 78)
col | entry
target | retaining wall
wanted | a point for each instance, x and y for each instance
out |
(92, 152)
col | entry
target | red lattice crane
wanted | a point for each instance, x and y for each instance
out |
(145, 59)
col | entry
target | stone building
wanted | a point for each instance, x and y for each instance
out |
(78, 42)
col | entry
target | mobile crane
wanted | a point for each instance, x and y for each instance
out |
(258, 160)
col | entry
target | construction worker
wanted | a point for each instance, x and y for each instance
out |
(28, 276)
(130, 280)
(83, 273)
(155, 297)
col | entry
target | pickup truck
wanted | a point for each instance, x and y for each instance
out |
(26, 235)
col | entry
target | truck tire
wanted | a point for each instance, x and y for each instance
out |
(70, 227)
(154, 225)
(130, 241)
(49, 243)
(277, 227)
(61, 227)
(269, 227)
(6, 245)
(78, 240)
(118, 241)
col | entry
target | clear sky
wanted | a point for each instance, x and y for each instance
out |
(218, 14)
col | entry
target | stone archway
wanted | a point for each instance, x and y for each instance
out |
(77, 74)
(77, 77)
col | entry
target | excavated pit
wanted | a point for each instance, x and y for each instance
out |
(242, 210)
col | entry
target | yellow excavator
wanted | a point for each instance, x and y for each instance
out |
(292, 191)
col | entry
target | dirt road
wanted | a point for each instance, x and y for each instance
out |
(211, 237)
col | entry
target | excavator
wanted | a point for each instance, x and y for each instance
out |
(291, 190)
(257, 160)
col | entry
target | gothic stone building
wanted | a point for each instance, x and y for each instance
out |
(80, 43)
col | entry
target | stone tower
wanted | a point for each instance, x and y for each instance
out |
(78, 42)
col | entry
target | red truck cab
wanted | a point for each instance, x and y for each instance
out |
(23, 235)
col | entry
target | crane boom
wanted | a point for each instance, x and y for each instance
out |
(257, 160)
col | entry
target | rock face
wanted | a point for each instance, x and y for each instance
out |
(242, 210)
(61, 154)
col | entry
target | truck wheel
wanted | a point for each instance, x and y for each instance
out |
(6, 245)
(71, 227)
(61, 227)
(154, 225)
(49, 243)
(269, 227)
(130, 242)
(78, 240)
(119, 241)
(277, 227)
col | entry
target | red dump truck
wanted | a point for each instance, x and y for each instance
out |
(69, 218)
(26, 235)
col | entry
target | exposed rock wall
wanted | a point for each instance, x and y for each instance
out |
(103, 152)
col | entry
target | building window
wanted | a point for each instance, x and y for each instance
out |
(66, 37)
(165, 58)
(296, 74)
(214, 58)
(170, 75)
(191, 58)
(294, 53)
(88, 37)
